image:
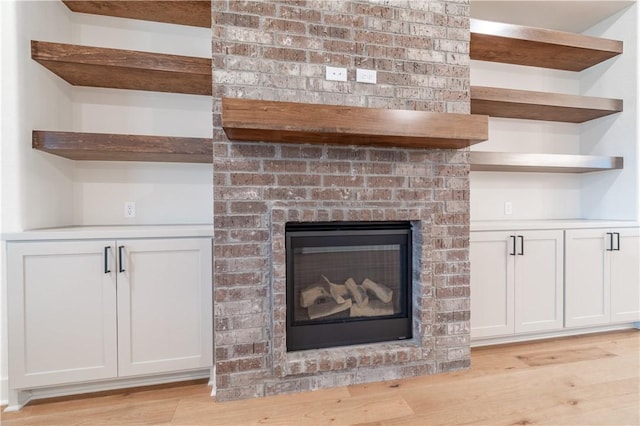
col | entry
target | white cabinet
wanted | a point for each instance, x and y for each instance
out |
(94, 309)
(625, 276)
(62, 313)
(516, 282)
(602, 276)
(164, 306)
(492, 284)
(539, 282)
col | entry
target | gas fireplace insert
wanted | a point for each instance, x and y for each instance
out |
(348, 283)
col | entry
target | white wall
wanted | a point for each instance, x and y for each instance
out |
(36, 190)
(533, 195)
(613, 195)
(163, 193)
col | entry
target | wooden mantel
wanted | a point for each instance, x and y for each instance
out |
(271, 121)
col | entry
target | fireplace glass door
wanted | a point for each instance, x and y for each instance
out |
(347, 283)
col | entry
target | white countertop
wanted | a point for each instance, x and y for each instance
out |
(206, 230)
(505, 225)
(111, 232)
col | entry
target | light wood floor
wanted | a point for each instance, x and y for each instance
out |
(583, 380)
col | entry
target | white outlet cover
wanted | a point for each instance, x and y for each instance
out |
(508, 208)
(366, 76)
(129, 209)
(336, 74)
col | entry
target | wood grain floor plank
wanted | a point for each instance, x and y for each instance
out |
(521, 405)
(547, 408)
(624, 415)
(141, 413)
(593, 380)
(563, 357)
(193, 410)
(288, 410)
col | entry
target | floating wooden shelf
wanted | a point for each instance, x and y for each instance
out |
(546, 163)
(183, 12)
(525, 104)
(269, 121)
(537, 47)
(110, 147)
(124, 69)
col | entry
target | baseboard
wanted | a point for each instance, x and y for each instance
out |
(567, 332)
(106, 385)
(4, 391)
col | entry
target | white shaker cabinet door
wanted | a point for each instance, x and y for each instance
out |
(492, 284)
(164, 305)
(62, 312)
(587, 283)
(539, 281)
(625, 275)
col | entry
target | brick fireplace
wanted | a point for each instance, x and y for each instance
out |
(278, 51)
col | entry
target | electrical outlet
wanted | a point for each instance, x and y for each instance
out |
(129, 209)
(366, 76)
(336, 74)
(508, 207)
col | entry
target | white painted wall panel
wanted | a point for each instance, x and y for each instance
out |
(614, 195)
(533, 195)
(164, 193)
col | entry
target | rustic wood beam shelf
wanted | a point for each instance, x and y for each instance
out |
(545, 163)
(269, 121)
(112, 147)
(537, 47)
(124, 69)
(183, 12)
(509, 103)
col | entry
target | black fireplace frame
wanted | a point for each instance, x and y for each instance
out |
(353, 331)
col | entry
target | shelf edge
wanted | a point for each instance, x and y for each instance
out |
(120, 147)
(542, 163)
(547, 106)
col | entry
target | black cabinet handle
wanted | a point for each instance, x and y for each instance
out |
(106, 260)
(521, 238)
(513, 245)
(120, 266)
(610, 234)
(617, 234)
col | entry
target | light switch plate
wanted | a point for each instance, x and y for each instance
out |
(366, 76)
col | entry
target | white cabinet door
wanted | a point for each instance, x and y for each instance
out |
(625, 275)
(539, 281)
(602, 277)
(587, 284)
(164, 305)
(492, 284)
(62, 312)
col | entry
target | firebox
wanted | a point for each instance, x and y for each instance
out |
(348, 283)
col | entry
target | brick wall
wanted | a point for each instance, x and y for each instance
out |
(278, 51)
